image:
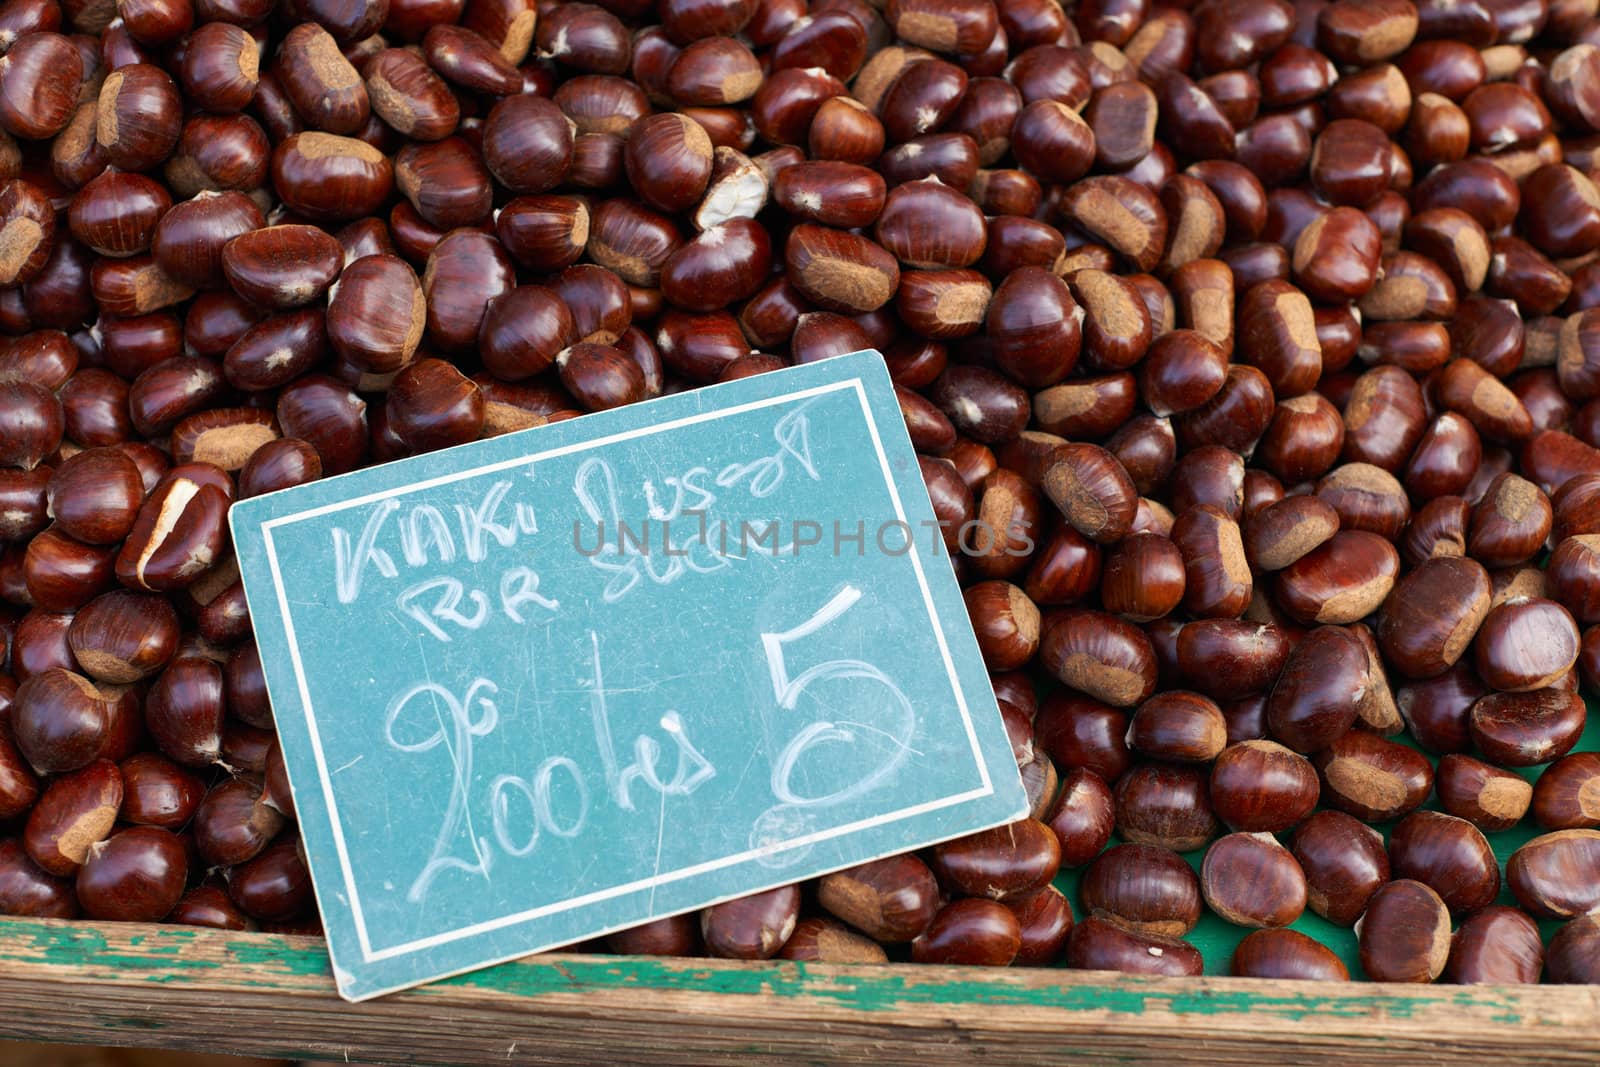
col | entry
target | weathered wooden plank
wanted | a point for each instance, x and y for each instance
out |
(260, 994)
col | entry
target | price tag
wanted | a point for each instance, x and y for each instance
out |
(554, 684)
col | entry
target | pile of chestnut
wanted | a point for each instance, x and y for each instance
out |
(1262, 337)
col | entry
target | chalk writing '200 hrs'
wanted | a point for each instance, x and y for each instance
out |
(510, 815)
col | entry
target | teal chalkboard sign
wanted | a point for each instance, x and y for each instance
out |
(554, 684)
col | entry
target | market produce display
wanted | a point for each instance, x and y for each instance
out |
(1261, 338)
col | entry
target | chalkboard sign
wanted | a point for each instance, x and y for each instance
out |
(554, 684)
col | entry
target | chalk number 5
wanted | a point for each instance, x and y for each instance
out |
(788, 690)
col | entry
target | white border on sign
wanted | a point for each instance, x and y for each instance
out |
(488, 925)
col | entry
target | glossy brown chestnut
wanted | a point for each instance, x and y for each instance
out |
(1003, 863)
(971, 931)
(1101, 945)
(890, 900)
(1101, 655)
(1447, 854)
(1527, 728)
(1371, 777)
(1572, 955)
(27, 890)
(94, 495)
(1497, 945)
(1144, 888)
(1489, 797)
(60, 721)
(157, 792)
(1249, 879)
(1433, 614)
(1046, 921)
(1554, 876)
(233, 823)
(1179, 727)
(1341, 581)
(1567, 794)
(824, 941)
(1315, 699)
(1525, 644)
(1231, 658)
(1165, 805)
(75, 811)
(136, 875)
(1260, 786)
(1405, 934)
(1286, 954)
(1081, 816)
(1143, 578)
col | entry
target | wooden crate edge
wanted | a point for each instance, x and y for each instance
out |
(264, 994)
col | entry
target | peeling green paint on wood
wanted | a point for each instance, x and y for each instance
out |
(266, 960)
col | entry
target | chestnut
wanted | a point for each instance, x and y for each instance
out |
(19, 786)
(1528, 728)
(123, 636)
(1100, 655)
(677, 935)
(1342, 580)
(1046, 920)
(233, 823)
(39, 85)
(279, 267)
(1229, 659)
(28, 890)
(60, 721)
(1344, 861)
(275, 886)
(1179, 727)
(1489, 797)
(1217, 579)
(136, 875)
(1143, 888)
(1405, 934)
(1572, 954)
(1164, 805)
(1081, 816)
(840, 271)
(326, 177)
(1316, 697)
(75, 811)
(1101, 945)
(1286, 954)
(1260, 786)
(1006, 623)
(1449, 855)
(971, 931)
(1567, 794)
(1496, 945)
(140, 116)
(1092, 490)
(95, 495)
(320, 82)
(115, 214)
(157, 792)
(1554, 876)
(33, 423)
(220, 67)
(826, 941)
(1525, 644)
(1431, 617)
(1249, 879)
(890, 900)
(725, 263)
(1003, 863)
